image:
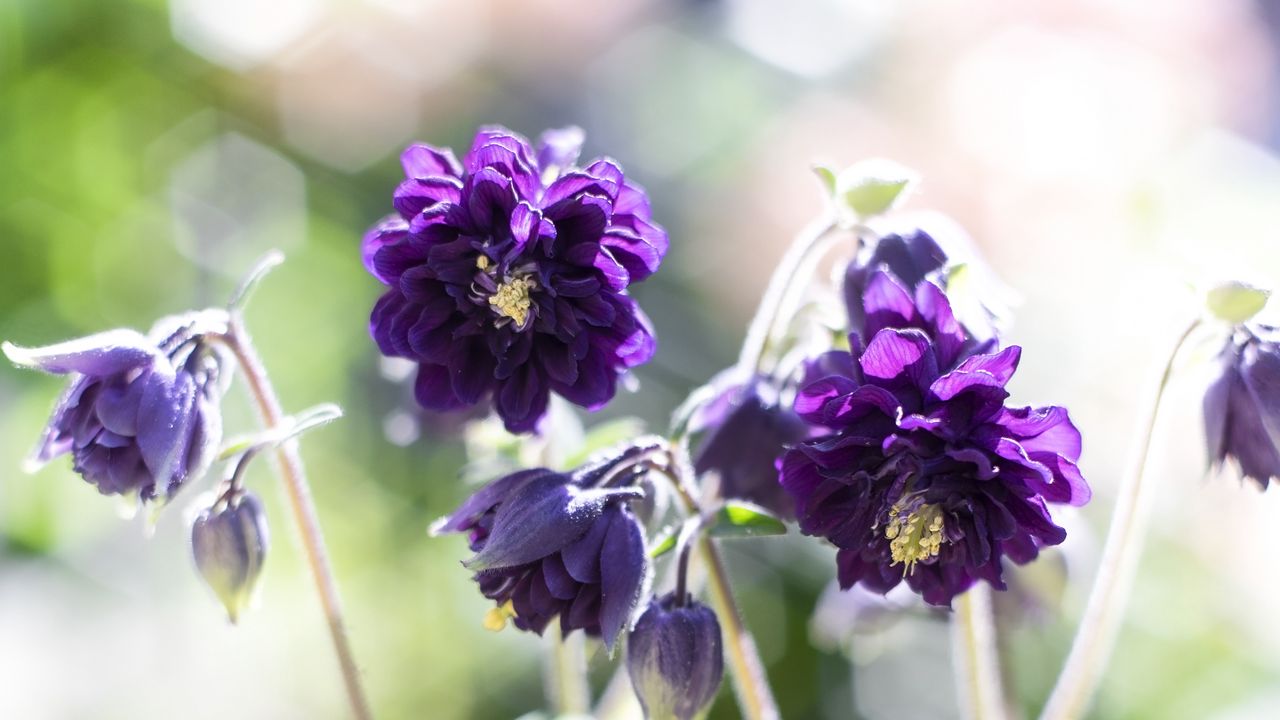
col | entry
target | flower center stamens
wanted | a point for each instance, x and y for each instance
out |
(496, 619)
(512, 299)
(914, 535)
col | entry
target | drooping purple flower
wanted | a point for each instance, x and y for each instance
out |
(747, 428)
(1242, 405)
(141, 413)
(675, 659)
(923, 472)
(551, 544)
(507, 274)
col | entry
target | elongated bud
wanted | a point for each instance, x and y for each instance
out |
(229, 542)
(674, 658)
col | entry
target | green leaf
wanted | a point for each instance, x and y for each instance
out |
(289, 427)
(743, 519)
(827, 177)
(873, 187)
(665, 542)
(1235, 302)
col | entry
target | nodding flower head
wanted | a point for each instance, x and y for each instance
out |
(507, 273)
(141, 413)
(551, 544)
(922, 473)
(674, 658)
(746, 429)
(1242, 405)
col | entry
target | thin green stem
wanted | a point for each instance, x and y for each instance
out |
(750, 682)
(566, 673)
(293, 476)
(977, 656)
(746, 670)
(775, 304)
(1096, 634)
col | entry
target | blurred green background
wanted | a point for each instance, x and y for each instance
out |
(1103, 154)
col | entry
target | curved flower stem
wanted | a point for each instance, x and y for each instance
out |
(771, 308)
(977, 656)
(750, 682)
(566, 674)
(1096, 634)
(298, 491)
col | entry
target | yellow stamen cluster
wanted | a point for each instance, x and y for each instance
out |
(915, 536)
(512, 299)
(496, 619)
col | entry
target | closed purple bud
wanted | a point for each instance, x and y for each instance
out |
(140, 415)
(229, 542)
(507, 273)
(1242, 405)
(674, 658)
(746, 428)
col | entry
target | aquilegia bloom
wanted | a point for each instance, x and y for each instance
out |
(1242, 406)
(507, 274)
(141, 413)
(924, 474)
(552, 544)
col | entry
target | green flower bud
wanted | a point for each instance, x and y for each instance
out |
(229, 542)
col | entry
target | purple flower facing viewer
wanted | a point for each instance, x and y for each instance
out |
(141, 414)
(675, 659)
(923, 473)
(1242, 405)
(551, 544)
(747, 428)
(507, 274)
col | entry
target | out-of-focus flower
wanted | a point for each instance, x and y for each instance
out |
(553, 544)
(229, 542)
(674, 658)
(924, 474)
(1242, 405)
(507, 274)
(141, 414)
(747, 428)
(914, 255)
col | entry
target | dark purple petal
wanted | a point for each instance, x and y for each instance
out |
(106, 353)
(623, 566)
(164, 421)
(423, 161)
(542, 517)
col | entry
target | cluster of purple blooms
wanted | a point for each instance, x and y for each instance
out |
(507, 278)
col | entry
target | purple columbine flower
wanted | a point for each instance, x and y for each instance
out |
(551, 544)
(747, 427)
(507, 274)
(1242, 405)
(923, 473)
(141, 414)
(674, 658)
